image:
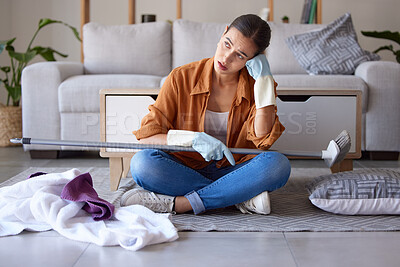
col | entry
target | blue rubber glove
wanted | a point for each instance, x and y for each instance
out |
(258, 66)
(211, 148)
(264, 87)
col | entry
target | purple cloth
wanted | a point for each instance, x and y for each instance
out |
(80, 189)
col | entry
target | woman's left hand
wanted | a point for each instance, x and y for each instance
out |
(258, 66)
(264, 88)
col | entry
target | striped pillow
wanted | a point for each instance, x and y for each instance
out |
(365, 191)
(331, 50)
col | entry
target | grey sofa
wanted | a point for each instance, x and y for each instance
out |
(60, 100)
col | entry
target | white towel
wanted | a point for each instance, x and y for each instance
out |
(35, 205)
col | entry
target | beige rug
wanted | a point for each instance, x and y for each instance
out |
(291, 209)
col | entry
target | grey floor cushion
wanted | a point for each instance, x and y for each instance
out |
(364, 192)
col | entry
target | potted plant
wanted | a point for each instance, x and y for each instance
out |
(285, 19)
(10, 114)
(388, 35)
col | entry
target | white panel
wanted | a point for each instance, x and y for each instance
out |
(310, 125)
(123, 115)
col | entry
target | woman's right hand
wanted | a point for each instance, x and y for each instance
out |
(209, 147)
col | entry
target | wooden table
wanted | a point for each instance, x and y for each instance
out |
(121, 111)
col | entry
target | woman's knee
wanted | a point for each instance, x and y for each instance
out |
(277, 168)
(141, 163)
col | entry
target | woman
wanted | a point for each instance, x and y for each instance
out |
(212, 104)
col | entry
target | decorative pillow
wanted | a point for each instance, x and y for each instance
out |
(332, 50)
(362, 192)
(279, 55)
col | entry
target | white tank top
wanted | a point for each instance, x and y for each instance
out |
(216, 124)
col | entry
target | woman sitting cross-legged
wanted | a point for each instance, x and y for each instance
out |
(212, 104)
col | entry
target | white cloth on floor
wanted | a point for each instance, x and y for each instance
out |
(35, 205)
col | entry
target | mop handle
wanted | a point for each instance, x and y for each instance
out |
(30, 141)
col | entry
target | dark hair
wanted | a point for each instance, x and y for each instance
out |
(255, 28)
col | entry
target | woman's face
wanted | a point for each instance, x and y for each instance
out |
(233, 51)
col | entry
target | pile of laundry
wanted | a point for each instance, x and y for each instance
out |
(67, 203)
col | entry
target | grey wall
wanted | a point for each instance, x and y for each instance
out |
(19, 18)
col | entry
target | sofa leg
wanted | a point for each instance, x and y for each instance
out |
(383, 155)
(345, 165)
(44, 154)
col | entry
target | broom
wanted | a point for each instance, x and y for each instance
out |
(335, 152)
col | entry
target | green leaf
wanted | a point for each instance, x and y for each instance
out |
(23, 57)
(47, 21)
(48, 53)
(76, 33)
(386, 47)
(388, 35)
(20, 60)
(6, 43)
(5, 69)
(74, 30)
(14, 92)
(10, 48)
(398, 56)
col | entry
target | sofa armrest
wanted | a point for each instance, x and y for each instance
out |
(383, 115)
(40, 113)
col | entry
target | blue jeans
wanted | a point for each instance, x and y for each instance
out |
(210, 187)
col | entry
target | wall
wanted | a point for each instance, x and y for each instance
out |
(5, 34)
(19, 18)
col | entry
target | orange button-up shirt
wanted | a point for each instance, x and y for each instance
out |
(182, 102)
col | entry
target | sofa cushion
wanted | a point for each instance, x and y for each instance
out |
(325, 81)
(80, 126)
(81, 93)
(193, 41)
(332, 50)
(127, 49)
(280, 57)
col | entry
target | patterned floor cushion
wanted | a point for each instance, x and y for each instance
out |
(366, 192)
